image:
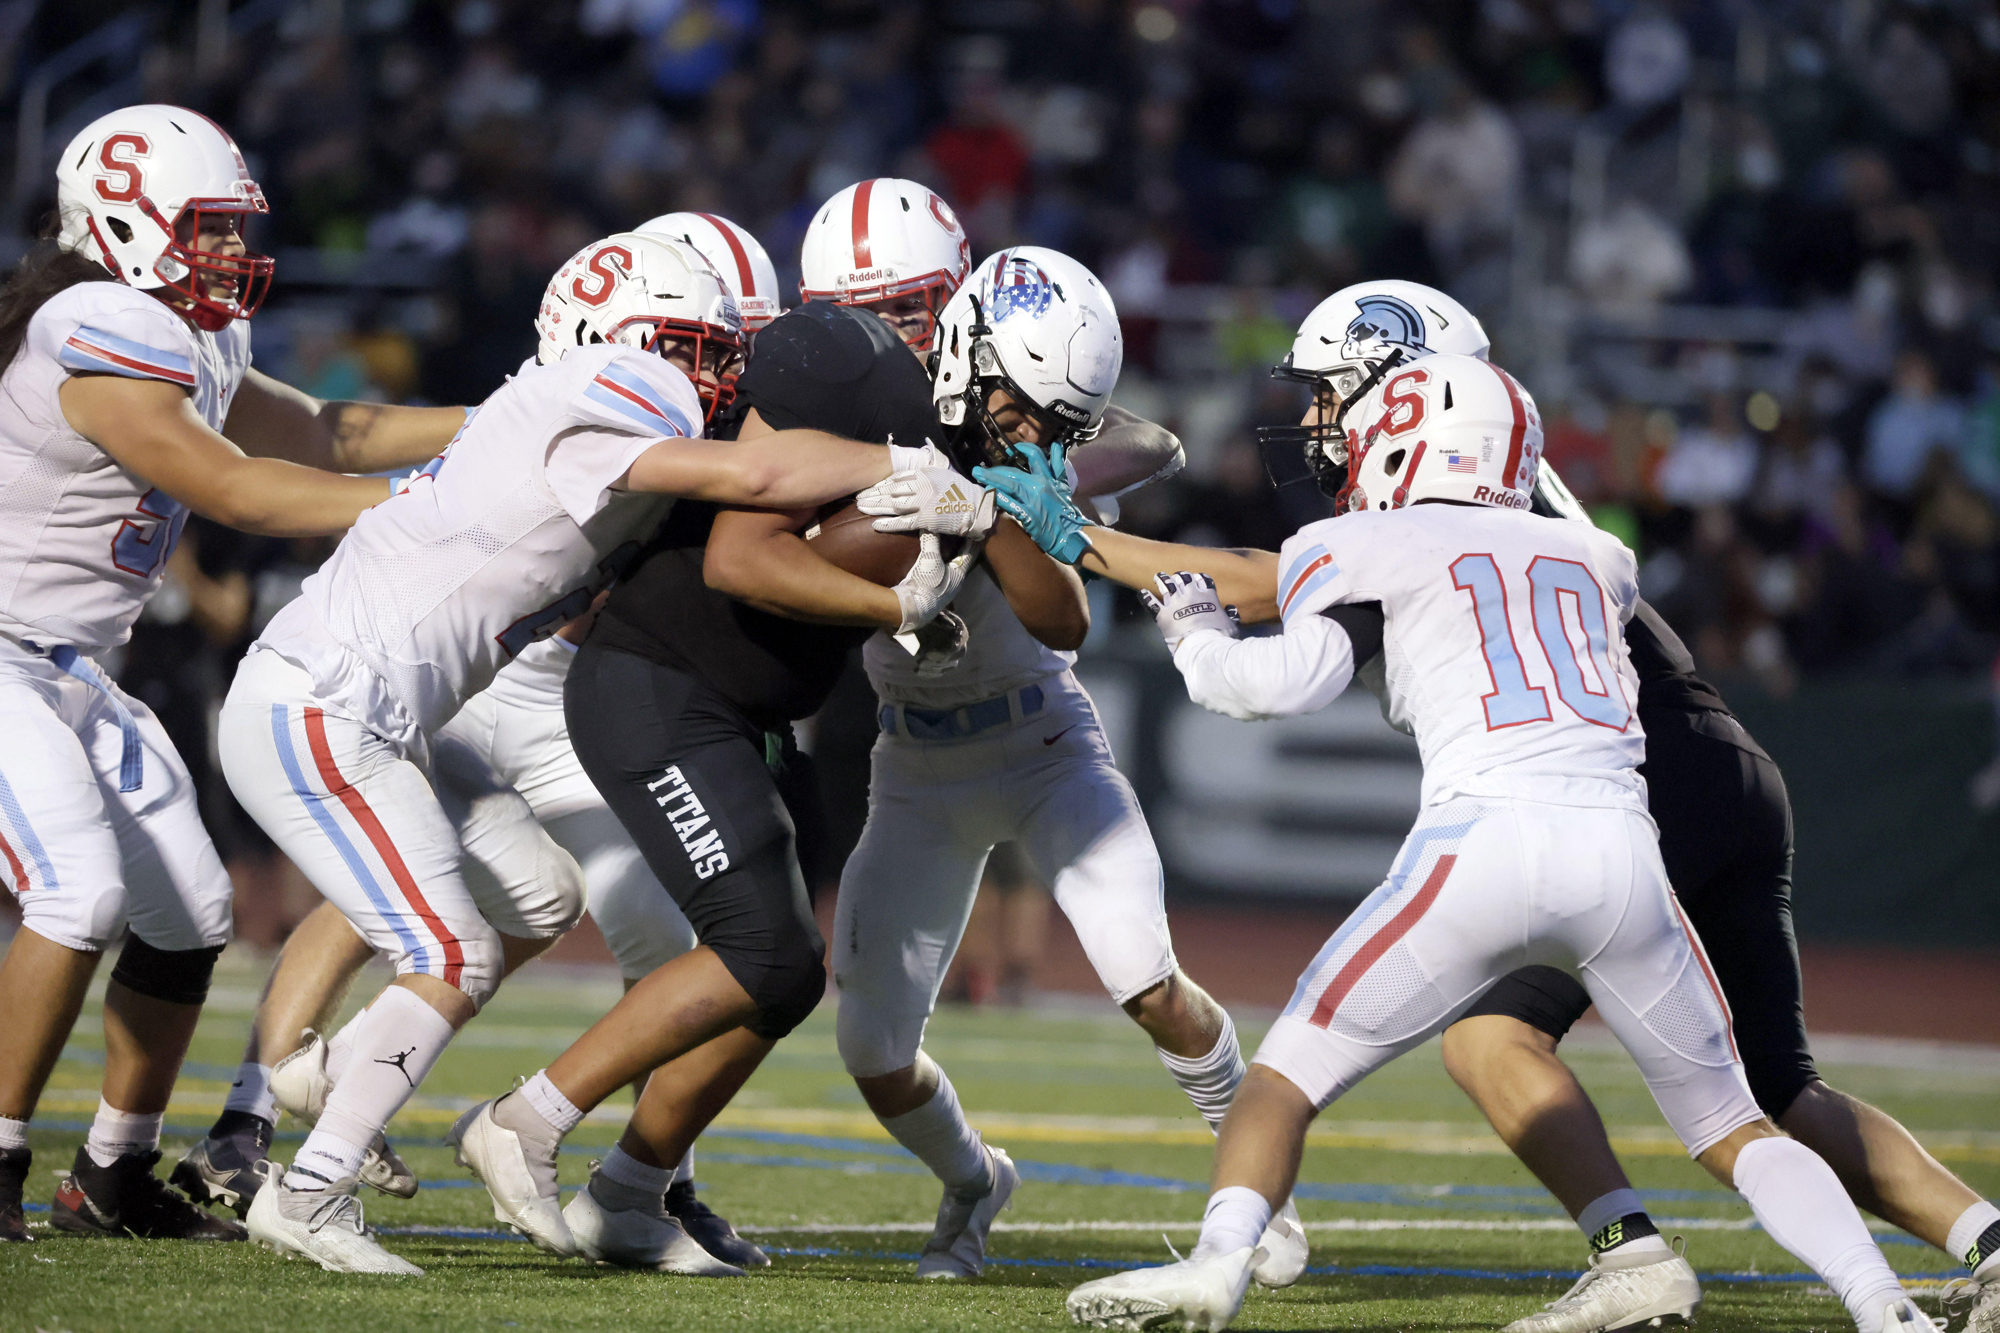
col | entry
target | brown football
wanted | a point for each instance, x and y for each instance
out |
(847, 538)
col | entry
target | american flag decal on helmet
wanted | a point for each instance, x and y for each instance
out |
(1460, 463)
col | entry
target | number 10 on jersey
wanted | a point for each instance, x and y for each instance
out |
(1555, 587)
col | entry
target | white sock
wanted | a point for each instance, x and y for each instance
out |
(1802, 1206)
(396, 1045)
(340, 1049)
(324, 1159)
(552, 1106)
(1209, 1080)
(1974, 1239)
(685, 1171)
(1235, 1219)
(114, 1133)
(1605, 1209)
(251, 1092)
(941, 1139)
(623, 1181)
(13, 1133)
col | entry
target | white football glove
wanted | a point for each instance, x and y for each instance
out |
(1187, 603)
(931, 497)
(931, 583)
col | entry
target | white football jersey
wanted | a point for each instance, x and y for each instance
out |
(1000, 654)
(505, 538)
(83, 541)
(1502, 644)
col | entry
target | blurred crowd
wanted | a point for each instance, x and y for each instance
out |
(1740, 249)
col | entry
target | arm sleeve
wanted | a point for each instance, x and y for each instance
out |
(137, 338)
(1281, 675)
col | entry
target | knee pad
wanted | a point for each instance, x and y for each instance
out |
(551, 903)
(178, 976)
(874, 1035)
(785, 990)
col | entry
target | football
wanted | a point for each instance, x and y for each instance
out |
(847, 538)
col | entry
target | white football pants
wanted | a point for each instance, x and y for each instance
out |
(935, 809)
(529, 749)
(1484, 886)
(83, 858)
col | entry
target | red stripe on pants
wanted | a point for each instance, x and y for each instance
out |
(1381, 942)
(1708, 973)
(357, 805)
(20, 871)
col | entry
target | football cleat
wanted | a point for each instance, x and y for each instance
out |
(222, 1168)
(14, 1164)
(1284, 1248)
(519, 1172)
(127, 1199)
(385, 1171)
(325, 1226)
(1608, 1298)
(1980, 1300)
(710, 1229)
(638, 1237)
(957, 1247)
(1204, 1293)
(299, 1082)
(1903, 1316)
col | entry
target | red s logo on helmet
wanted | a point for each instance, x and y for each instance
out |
(604, 276)
(1394, 420)
(121, 165)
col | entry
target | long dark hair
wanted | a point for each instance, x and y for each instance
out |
(46, 270)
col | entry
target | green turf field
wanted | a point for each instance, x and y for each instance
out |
(1419, 1220)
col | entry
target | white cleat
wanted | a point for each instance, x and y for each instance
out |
(1983, 1298)
(1903, 1316)
(1608, 1298)
(1205, 1293)
(1285, 1250)
(957, 1247)
(299, 1082)
(519, 1171)
(323, 1225)
(639, 1238)
(300, 1086)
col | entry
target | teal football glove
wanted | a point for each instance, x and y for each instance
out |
(1039, 500)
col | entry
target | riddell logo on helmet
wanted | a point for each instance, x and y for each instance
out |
(1070, 412)
(1509, 499)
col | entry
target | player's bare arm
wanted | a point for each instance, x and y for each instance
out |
(270, 419)
(1045, 595)
(757, 556)
(1128, 451)
(151, 427)
(1245, 578)
(763, 468)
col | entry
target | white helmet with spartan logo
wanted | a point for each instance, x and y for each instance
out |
(132, 191)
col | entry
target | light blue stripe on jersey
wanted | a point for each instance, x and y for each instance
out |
(26, 833)
(281, 732)
(629, 394)
(95, 350)
(1309, 571)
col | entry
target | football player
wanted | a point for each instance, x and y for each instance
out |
(727, 628)
(510, 737)
(129, 401)
(1534, 846)
(1000, 742)
(506, 537)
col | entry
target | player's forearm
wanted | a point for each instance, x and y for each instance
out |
(787, 469)
(1282, 675)
(1128, 452)
(270, 419)
(274, 498)
(780, 574)
(1245, 579)
(1045, 595)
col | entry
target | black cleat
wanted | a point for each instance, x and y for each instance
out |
(127, 1199)
(14, 1164)
(222, 1168)
(710, 1229)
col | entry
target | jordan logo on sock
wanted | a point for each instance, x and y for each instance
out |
(397, 1060)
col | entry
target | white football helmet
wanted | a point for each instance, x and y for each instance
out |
(1038, 324)
(1450, 427)
(882, 239)
(1351, 336)
(732, 252)
(648, 292)
(132, 192)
